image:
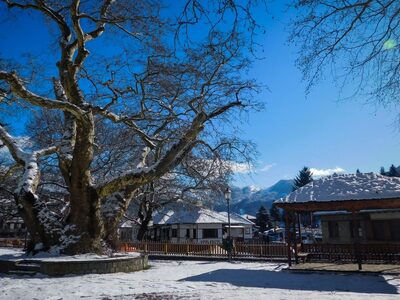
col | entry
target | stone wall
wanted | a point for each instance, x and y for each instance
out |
(127, 264)
(61, 268)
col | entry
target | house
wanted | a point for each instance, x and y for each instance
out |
(11, 224)
(198, 224)
(374, 226)
(357, 208)
(250, 218)
(128, 231)
(365, 205)
(182, 222)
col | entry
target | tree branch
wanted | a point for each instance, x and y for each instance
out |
(18, 88)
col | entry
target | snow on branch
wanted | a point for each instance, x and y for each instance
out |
(21, 91)
(28, 160)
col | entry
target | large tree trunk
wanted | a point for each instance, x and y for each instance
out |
(86, 225)
(145, 224)
(85, 218)
(29, 209)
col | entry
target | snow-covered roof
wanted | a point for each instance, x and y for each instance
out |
(128, 224)
(341, 187)
(248, 217)
(237, 219)
(195, 215)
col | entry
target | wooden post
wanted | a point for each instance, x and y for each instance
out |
(357, 253)
(289, 253)
(299, 225)
(296, 257)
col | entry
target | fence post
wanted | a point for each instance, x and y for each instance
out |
(145, 247)
(165, 248)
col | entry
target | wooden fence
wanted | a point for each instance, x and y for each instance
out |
(315, 252)
(12, 242)
(389, 252)
(208, 249)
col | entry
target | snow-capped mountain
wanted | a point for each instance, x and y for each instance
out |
(249, 199)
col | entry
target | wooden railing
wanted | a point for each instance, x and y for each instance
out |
(12, 242)
(315, 252)
(207, 249)
(389, 252)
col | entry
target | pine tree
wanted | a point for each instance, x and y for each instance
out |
(304, 177)
(263, 219)
(382, 171)
(393, 172)
(275, 214)
(358, 172)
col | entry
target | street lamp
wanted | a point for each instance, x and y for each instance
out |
(228, 195)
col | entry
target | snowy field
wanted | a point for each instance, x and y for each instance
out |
(203, 280)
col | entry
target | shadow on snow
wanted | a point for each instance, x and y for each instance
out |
(298, 281)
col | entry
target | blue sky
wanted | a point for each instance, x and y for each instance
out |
(294, 130)
(317, 130)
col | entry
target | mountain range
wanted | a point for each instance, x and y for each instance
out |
(248, 200)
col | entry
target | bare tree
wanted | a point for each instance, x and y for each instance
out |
(151, 97)
(359, 39)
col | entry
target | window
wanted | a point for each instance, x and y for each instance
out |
(248, 230)
(195, 233)
(174, 233)
(378, 230)
(188, 233)
(357, 225)
(210, 233)
(333, 228)
(394, 226)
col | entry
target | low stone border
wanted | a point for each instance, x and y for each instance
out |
(61, 268)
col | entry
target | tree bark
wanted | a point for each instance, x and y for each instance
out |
(145, 223)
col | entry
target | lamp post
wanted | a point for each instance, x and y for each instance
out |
(228, 195)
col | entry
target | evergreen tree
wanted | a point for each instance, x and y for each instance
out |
(275, 214)
(263, 219)
(304, 177)
(382, 171)
(393, 172)
(358, 172)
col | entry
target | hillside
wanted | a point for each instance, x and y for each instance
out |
(249, 199)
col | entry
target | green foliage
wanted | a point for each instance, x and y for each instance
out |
(263, 219)
(393, 171)
(274, 213)
(382, 171)
(304, 177)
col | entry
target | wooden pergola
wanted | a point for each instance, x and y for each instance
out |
(353, 206)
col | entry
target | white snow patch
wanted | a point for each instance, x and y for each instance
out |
(347, 187)
(196, 215)
(203, 280)
(18, 254)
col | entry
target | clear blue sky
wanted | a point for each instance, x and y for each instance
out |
(293, 130)
(318, 131)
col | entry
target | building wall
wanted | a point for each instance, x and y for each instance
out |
(372, 227)
(181, 232)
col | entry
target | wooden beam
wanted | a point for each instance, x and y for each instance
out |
(348, 205)
(293, 217)
(287, 227)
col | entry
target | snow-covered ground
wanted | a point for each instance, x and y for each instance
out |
(17, 254)
(203, 280)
